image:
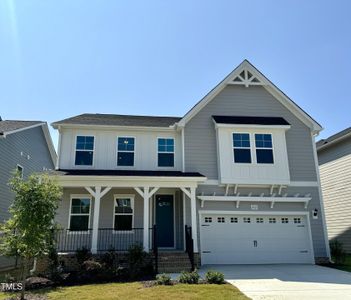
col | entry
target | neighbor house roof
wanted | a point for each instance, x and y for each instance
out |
(8, 126)
(91, 172)
(250, 120)
(118, 120)
(333, 138)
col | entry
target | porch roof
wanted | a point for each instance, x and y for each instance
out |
(127, 178)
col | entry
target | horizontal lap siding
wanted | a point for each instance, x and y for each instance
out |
(335, 170)
(31, 142)
(200, 138)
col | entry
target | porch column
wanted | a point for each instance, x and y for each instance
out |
(94, 239)
(193, 217)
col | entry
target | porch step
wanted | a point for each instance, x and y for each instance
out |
(173, 262)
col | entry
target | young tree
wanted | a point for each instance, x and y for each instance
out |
(28, 233)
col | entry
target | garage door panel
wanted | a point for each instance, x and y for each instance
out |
(254, 239)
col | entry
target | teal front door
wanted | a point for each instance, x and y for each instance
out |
(165, 221)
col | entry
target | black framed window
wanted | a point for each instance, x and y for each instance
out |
(264, 148)
(241, 148)
(125, 151)
(79, 214)
(123, 213)
(84, 150)
(165, 152)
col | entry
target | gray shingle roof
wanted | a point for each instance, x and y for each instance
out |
(250, 120)
(119, 120)
(333, 138)
(11, 125)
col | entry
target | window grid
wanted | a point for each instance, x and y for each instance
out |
(125, 150)
(221, 220)
(208, 220)
(297, 220)
(80, 207)
(264, 148)
(259, 220)
(165, 152)
(241, 148)
(285, 220)
(233, 220)
(247, 220)
(272, 220)
(123, 206)
(84, 153)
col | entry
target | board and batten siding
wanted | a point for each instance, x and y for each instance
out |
(105, 149)
(335, 171)
(200, 135)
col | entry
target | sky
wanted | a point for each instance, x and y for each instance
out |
(63, 58)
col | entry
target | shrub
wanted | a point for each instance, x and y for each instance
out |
(92, 266)
(83, 254)
(337, 252)
(109, 258)
(163, 279)
(140, 262)
(189, 277)
(214, 277)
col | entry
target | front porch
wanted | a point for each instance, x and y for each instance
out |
(104, 213)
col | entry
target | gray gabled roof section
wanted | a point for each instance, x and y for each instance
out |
(334, 138)
(118, 120)
(8, 126)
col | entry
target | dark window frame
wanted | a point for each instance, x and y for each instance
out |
(120, 151)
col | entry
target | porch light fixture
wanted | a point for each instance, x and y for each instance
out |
(315, 214)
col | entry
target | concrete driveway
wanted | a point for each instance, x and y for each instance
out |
(286, 281)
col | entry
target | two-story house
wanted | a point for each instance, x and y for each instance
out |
(239, 170)
(25, 146)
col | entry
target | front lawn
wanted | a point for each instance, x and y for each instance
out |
(136, 290)
(346, 266)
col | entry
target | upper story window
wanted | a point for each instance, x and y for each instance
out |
(125, 153)
(241, 148)
(264, 148)
(19, 170)
(123, 213)
(79, 214)
(84, 150)
(165, 152)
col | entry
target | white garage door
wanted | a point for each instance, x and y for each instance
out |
(255, 239)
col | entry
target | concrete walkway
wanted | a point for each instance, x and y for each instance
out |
(260, 282)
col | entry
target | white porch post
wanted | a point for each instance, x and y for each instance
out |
(146, 220)
(193, 217)
(94, 240)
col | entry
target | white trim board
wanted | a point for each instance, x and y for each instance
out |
(267, 84)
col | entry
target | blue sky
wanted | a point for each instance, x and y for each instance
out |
(63, 58)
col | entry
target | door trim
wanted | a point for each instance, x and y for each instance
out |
(263, 213)
(172, 193)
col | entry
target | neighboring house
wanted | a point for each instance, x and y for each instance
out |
(239, 170)
(334, 155)
(25, 146)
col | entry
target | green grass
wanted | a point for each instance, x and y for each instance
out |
(346, 266)
(136, 290)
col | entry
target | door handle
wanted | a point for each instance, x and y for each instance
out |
(255, 243)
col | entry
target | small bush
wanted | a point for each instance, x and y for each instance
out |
(163, 279)
(83, 254)
(92, 266)
(109, 258)
(337, 252)
(189, 277)
(140, 262)
(214, 277)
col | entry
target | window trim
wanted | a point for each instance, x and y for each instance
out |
(132, 198)
(75, 150)
(22, 172)
(174, 152)
(79, 196)
(125, 151)
(249, 148)
(260, 148)
(252, 148)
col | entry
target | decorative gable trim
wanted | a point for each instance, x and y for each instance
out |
(247, 75)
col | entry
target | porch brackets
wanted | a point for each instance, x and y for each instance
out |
(146, 193)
